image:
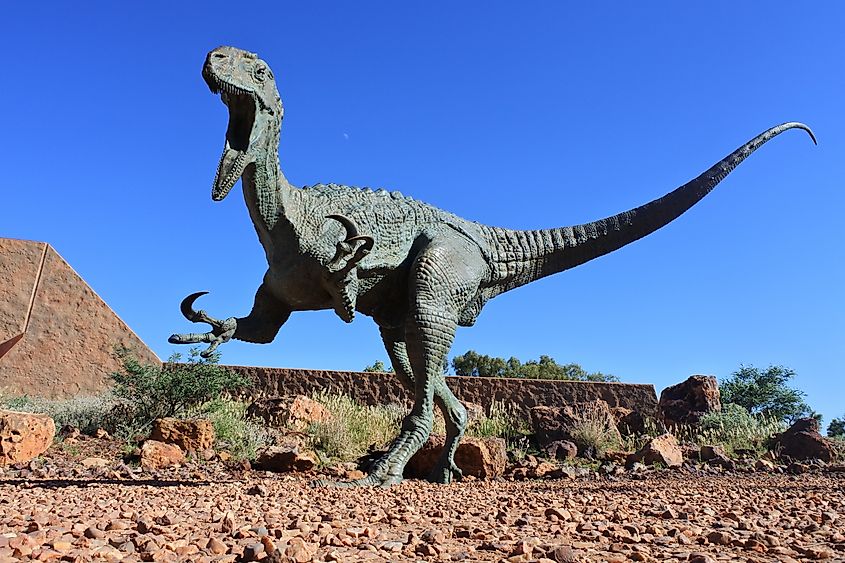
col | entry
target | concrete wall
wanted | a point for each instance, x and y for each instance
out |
(384, 388)
(57, 336)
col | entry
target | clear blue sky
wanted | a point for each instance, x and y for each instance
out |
(518, 115)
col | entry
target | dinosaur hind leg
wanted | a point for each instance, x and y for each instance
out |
(445, 276)
(453, 411)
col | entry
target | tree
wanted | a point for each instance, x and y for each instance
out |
(836, 428)
(474, 364)
(377, 367)
(765, 392)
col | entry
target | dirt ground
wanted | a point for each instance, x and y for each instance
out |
(56, 508)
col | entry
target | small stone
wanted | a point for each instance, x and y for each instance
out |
(216, 546)
(719, 538)
(258, 490)
(94, 533)
(252, 551)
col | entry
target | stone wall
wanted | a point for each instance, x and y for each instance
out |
(57, 336)
(384, 388)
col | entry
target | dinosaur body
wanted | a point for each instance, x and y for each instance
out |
(418, 271)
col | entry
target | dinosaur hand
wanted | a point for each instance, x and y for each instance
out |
(220, 333)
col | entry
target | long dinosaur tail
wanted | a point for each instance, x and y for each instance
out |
(520, 257)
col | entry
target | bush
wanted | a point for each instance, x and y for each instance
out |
(86, 413)
(235, 432)
(734, 428)
(593, 430)
(353, 428)
(153, 392)
(765, 392)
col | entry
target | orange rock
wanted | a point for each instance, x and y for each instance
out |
(195, 435)
(158, 455)
(662, 449)
(478, 457)
(296, 413)
(24, 435)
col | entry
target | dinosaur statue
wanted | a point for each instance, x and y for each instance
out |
(419, 272)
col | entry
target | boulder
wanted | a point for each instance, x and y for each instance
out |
(662, 449)
(687, 402)
(716, 455)
(628, 422)
(803, 441)
(24, 435)
(551, 424)
(296, 413)
(194, 435)
(561, 449)
(158, 455)
(478, 457)
(280, 459)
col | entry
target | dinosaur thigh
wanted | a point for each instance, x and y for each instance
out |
(444, 279)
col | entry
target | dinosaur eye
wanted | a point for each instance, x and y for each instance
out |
(260, 73)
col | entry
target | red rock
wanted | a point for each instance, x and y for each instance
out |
(662, 449)
(24, 436)
(561, 449)
(194, 435)
(57, 336)
(687, 402)
(803, 441)
(282, 460)
(158, 455)
(476, 457)
(296, 412)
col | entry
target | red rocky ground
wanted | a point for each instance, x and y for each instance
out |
(57, 509)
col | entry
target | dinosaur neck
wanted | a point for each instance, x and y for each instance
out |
(266, 190)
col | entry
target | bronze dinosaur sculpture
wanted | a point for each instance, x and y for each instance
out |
(419, 272)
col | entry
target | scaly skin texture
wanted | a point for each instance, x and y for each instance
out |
(419, 272)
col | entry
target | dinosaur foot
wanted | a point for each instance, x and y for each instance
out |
(445, 472)
(368, 481)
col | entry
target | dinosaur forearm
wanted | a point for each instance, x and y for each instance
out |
(267, 316)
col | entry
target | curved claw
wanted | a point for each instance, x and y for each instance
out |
(221, 331)
(352, 236)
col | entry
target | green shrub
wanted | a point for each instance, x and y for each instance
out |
(765, 392)
(734, 428)
(593, 429)
(153, 392)
(235, 432)
(353, 428)
(499, 422)
(85, 413)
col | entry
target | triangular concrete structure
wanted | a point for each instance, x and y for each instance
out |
(57, 337)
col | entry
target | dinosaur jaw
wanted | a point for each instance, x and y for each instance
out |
(236, 154)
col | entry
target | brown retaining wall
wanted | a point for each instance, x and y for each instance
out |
(384, 388)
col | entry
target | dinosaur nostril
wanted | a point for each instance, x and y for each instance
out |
(219, 56)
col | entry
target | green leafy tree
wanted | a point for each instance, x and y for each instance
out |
(171, 389)
(836, 428)
(765, 392)
(377, 367)
(474, 364)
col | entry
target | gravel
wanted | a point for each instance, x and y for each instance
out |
(59, 509)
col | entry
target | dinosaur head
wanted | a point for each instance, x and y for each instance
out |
(247, 87)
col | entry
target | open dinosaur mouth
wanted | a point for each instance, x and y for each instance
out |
(235, 157)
